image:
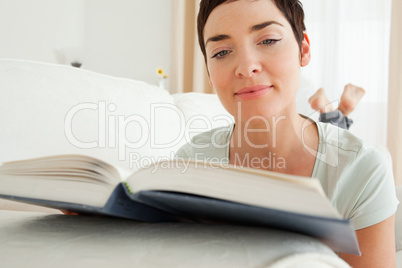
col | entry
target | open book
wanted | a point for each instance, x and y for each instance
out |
(180, 190)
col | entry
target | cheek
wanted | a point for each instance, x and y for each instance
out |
(218, 76)
(285, 64)
(222, 81)
(284, 70)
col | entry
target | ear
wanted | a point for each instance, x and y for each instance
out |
(306, 52)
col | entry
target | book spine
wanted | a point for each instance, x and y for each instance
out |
(121, 204)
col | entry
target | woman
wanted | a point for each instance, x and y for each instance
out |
(253, 50)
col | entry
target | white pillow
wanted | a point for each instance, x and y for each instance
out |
(202, 112)
(49, 109)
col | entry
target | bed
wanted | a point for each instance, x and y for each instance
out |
(38, 103)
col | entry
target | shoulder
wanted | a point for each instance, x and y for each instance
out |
(343, 151)
(338, 146)
(339, 138)
(356, 175)
(213, 143)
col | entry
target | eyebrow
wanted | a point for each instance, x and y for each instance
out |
(254, 28)
(263, 25)
(217, 38)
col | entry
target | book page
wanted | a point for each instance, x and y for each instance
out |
(73, 165)
(244, 185)
(64, 178)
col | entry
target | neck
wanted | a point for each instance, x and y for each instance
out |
(280, 141)
(276, 133)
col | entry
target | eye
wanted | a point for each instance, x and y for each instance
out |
(221, 54)
(270, 42)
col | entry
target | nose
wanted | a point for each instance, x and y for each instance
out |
(248, 64)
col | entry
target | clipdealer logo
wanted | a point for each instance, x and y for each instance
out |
(115, 130)
(134, 131)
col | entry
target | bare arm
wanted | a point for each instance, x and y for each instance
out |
(377, 244)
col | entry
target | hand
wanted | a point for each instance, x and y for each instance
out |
(69, 212)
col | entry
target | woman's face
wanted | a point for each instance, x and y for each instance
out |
(253, 59)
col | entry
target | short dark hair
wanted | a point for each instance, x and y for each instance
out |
(291, 9)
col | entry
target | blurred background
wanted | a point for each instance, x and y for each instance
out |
(125, 38)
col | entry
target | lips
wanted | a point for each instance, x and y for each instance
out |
(253, 92)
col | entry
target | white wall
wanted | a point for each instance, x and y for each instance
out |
(126, 38)
(32, 30)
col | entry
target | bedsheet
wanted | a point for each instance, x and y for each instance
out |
(33, 239)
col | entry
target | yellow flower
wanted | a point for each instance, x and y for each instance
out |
(160, 72)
